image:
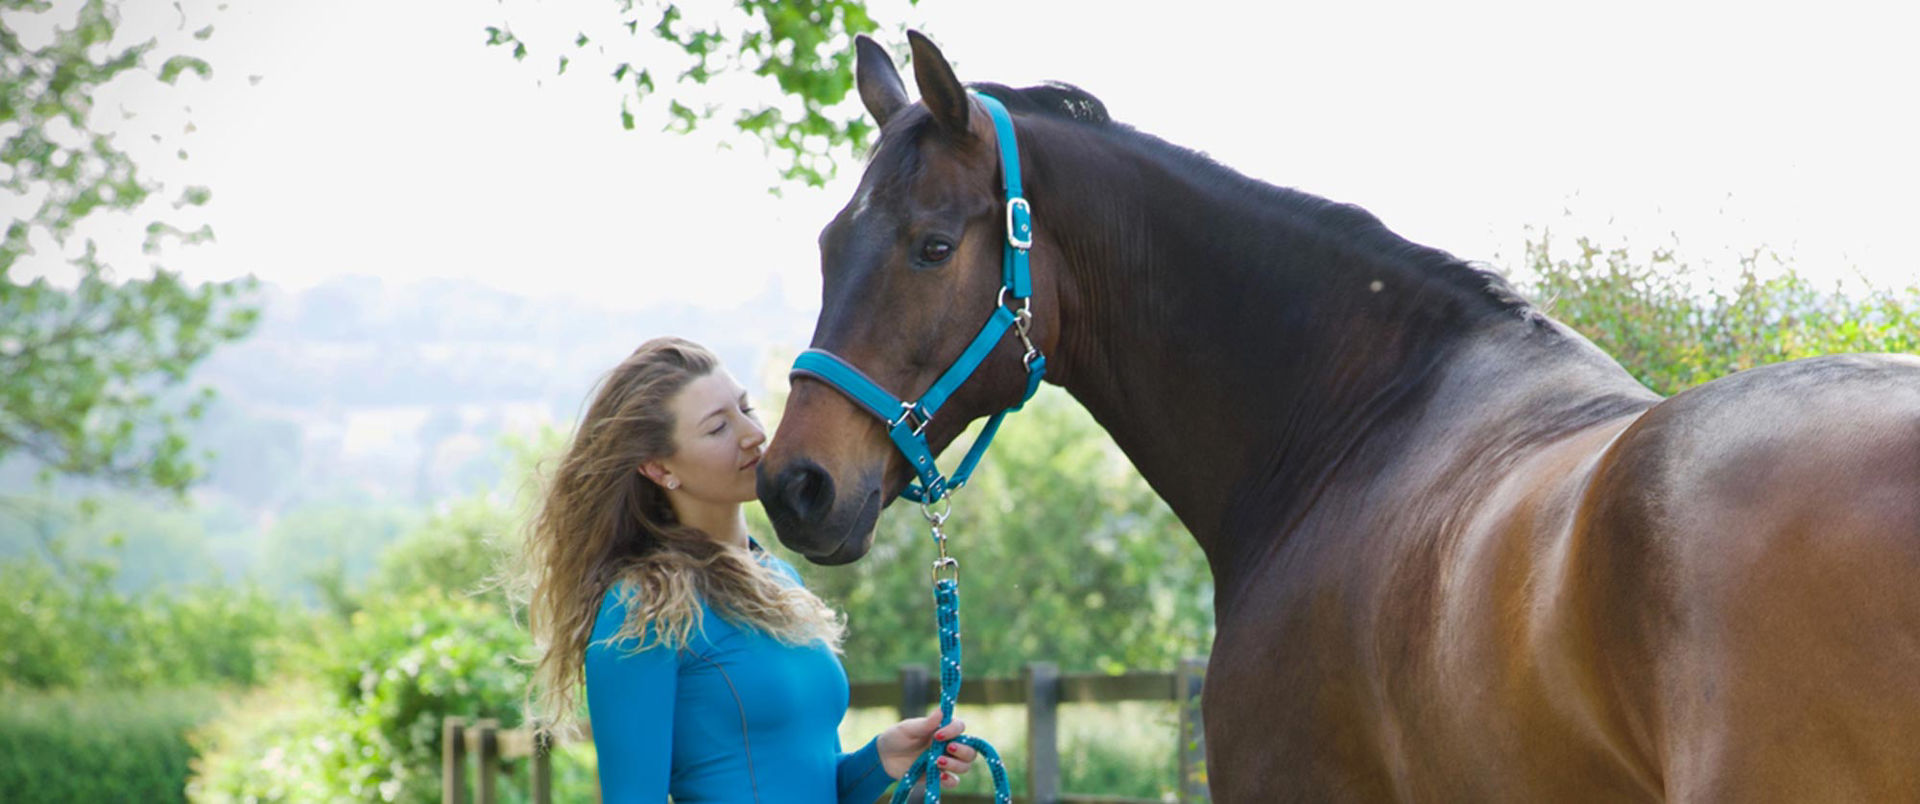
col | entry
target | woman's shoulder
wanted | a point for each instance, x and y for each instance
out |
(616, 605)
(779, 565)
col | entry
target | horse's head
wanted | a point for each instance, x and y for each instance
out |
(910, 269)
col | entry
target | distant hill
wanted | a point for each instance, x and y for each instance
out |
(400, 392)
(356, 406)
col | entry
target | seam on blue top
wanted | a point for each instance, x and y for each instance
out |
(753, 781)
(877, 764)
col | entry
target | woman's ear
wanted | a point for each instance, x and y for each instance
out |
(659, 475)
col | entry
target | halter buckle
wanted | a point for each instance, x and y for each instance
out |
(1019, 223)
(911, 410)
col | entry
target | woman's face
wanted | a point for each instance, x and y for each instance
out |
(718, 441)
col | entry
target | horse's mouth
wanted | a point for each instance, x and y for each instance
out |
(856, 539)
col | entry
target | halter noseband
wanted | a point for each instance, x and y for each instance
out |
(907, 421)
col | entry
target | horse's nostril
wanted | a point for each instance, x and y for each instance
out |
(807, 491)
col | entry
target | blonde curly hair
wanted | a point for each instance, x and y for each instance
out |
(602, 525)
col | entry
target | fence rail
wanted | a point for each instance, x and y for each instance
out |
(1040, 687)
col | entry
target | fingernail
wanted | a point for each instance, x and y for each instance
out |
(953, 748)
(942, 762)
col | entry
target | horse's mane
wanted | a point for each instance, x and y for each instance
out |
(1062, 101)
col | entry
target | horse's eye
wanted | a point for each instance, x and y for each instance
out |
(935, 251)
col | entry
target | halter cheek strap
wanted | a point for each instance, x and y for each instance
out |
(907, 421)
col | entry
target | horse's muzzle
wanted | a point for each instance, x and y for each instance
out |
(801, 503)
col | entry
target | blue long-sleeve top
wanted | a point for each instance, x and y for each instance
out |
(733, 716)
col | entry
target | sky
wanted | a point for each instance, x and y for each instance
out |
(380, 137)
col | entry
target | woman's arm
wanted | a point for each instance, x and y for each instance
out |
(861, 778)
(630, 698)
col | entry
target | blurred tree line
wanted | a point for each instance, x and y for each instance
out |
(1673, 327)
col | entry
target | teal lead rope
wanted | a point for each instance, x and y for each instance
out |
(946, 602)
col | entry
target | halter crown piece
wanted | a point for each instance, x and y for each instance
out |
(907, 421)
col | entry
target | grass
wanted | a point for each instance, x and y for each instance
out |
(1117, 749)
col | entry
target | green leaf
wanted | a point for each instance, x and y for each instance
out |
(193, 196)
(171, 70)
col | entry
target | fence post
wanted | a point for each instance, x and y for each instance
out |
(453, 761)
(488, 760)
(914, 692)
(1193, 746)
(914, 695)
(541, 773)
(1043, 732)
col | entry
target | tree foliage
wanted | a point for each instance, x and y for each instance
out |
(85, 369)
(69, 628)
(1673, 329)
(799, 50)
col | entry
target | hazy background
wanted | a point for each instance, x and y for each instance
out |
(454, 244)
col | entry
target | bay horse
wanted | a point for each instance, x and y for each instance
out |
(1459, 553)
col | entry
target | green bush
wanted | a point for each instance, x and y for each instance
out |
(364, 724)
(458, 550)
(75, 630)
(1663, 319)
(97, 745)
(278, 742)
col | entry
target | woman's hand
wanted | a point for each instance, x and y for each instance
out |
(900, 745)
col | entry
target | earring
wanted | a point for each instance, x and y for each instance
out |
(673, 483)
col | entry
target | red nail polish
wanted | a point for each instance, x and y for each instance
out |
(942, 762)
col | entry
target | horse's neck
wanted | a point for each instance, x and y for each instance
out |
(1239, 361)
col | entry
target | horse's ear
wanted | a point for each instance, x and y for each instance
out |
(880, 86)
(939, 89)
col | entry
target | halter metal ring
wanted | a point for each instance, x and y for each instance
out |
(938, 519)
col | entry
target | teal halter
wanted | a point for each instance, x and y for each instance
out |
(907, 421)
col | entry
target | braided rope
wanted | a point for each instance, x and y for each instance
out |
(946, 596)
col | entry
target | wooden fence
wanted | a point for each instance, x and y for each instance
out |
(1040, 687)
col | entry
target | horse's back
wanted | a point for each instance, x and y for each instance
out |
(1750, 576)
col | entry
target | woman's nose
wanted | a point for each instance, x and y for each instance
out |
(756, 435)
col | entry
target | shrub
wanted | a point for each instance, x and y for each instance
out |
(74, 630)
(1664, 321)
(364, 722)
(98, 745)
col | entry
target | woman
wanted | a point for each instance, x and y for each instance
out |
(711, 672)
